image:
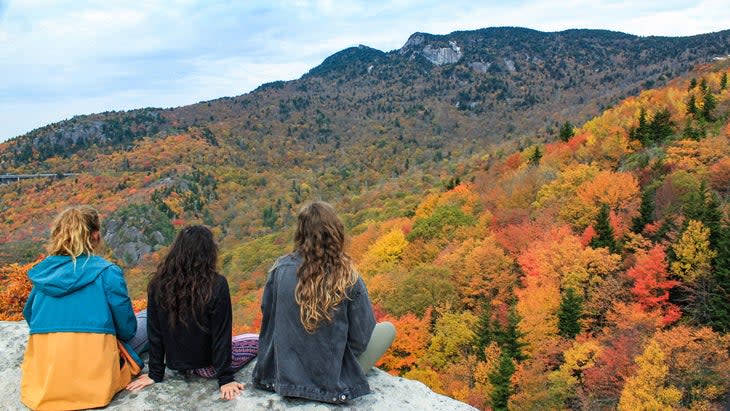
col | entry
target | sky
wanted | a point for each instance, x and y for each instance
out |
(63, 58)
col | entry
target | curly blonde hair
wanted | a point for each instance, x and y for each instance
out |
(72, 230)
(326, 272)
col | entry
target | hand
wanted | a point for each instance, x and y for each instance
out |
(231, 390)
(141, 382)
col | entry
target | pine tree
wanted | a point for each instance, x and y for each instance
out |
(646, 211)
(566, 131)
(703, 85)
(692, 105)
(720, 300)
(484, 329)
(690, 131)
(509, 337)
(536, 156)
(708, 106)
(569, 313)
(661, 126)
(641, 132)
(702, 205)
(500, 380)
(604, 231)
(723, 81)
(692, 84)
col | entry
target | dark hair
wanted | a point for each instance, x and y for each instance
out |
(326, 272)
(183, 283)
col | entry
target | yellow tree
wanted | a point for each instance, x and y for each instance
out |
(452, 339)
(383, 255)
(620, 191)
(537, 305)
(699, 364)
(562, 190)
(563, 381)
(693, 253)
(647, 390)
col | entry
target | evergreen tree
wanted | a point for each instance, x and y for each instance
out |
(692, 84)
(569, 313)
(500, 380)
(702, 205)
(723, 81)
(509, 337)
(703, 85)
(720, 299)
(692, 105)
(661, 126)
(708, 106)
(646, 211)
(484, 329)
(641, 132)
(566, 131)
(506, 336)
(269, 217)
(690, 131)
(536, 156)
(604, 231)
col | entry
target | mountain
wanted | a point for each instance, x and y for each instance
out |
(361, 119)
(587, 269)
(483, 85)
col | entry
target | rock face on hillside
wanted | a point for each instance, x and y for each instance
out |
(135, 230)
(388, 392)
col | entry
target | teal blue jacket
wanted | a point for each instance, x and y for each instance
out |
(88, 295)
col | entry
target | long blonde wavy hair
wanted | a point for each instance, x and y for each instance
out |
(72, 232)
(326, 272)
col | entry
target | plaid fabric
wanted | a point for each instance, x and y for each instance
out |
(243, 348)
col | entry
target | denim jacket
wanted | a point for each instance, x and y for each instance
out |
(321, 366)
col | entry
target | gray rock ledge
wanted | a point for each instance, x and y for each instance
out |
(175, 393)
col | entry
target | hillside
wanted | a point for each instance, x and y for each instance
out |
(363, 123)
(586, 270)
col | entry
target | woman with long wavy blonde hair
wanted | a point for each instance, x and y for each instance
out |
(318, 333)
(81, 321)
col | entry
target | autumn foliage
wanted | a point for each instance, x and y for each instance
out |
(584, 273)
(14, 289)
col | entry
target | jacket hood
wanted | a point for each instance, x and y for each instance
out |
(59, 275)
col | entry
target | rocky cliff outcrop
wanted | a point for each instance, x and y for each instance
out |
(177, 393)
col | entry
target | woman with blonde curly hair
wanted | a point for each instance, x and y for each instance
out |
(80, 319)
(318, 334)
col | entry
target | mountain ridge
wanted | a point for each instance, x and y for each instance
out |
(514, 71)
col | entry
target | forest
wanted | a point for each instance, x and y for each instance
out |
(587, 270)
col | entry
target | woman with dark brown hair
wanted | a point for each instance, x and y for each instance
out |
(318, 333)
(189, 317)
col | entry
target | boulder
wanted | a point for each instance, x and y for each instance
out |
(195, 393)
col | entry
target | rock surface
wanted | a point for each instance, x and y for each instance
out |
(176, 393)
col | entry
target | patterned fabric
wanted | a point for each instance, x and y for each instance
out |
(243, 348)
